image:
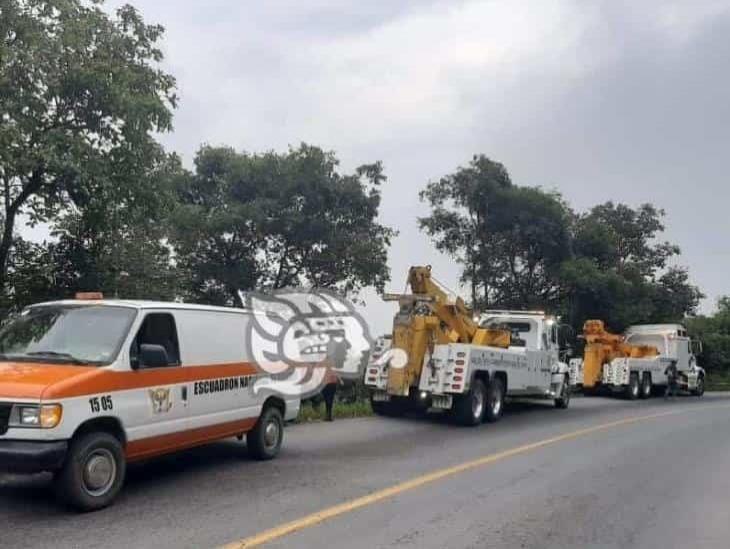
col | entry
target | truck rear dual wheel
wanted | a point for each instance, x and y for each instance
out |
(634, 388)
(481, 403)
(93, 472)
(495, 401)
(469, 408)
(646, 386)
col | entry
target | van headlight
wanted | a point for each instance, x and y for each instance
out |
(46, 416)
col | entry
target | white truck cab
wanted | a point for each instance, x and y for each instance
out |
(674, 345)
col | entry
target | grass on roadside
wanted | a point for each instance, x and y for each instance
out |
(360, 408)
(717, 381)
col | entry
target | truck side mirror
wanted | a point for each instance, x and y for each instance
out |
(152, 356)
(696, 347)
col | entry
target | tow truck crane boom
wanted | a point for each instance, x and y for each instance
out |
(427, 317)
(602, 347)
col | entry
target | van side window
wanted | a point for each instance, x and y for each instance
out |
(157, 329)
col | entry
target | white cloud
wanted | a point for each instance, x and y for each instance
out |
(599, 99)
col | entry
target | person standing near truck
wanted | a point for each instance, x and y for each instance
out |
(328, 393)
(671, 373)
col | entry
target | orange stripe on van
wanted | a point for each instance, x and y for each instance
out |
(95, 381)
(163, 444)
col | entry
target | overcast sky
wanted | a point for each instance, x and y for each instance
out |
(607, 100)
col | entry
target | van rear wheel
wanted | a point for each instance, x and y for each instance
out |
(93, 472)
(264, 440)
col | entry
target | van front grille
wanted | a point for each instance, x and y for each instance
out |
(4, 417)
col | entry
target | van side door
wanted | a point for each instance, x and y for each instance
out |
(157, 408)
(214, 352)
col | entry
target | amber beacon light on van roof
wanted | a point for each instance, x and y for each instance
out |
(89, 296)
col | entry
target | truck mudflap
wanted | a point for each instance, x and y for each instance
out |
(380, 396)
(442, 402)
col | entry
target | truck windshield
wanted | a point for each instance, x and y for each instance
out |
(78, 334)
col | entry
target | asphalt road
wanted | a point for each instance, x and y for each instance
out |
(660, 479)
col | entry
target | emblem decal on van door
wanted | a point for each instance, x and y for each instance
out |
(303, 338)
(161, 400)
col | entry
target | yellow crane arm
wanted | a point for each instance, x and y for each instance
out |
(427, 317)
(453, 313)
(602, 347)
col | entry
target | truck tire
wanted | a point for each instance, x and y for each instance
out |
(563, 401)
(93, 473)
(495, 400)
(469, 408)
(700, 389)
(264, 440)
(634, 388)
(646, 389)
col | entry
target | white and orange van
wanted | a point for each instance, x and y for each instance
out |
(88, 385)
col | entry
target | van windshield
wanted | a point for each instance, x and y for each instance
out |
(78, 334)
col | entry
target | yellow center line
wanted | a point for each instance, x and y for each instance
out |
(380, 495)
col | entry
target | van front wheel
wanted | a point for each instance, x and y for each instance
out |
(93, 473)
(264, 440)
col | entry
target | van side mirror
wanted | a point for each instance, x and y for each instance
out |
(152, 356)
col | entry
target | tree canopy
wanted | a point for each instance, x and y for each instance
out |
(509, 239)
(81, 95)
(620, 271)
(714, 332)
(524, 247)
(275, 220)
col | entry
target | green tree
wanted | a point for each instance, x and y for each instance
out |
(460, 206)
(119, 249)
(531, 239)
(276, 220)
(31, 275)
(510, 240)
(714, 332)
(620, 271)
(619, 237)
(80, 97)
